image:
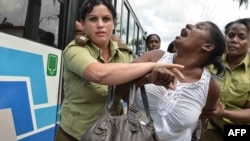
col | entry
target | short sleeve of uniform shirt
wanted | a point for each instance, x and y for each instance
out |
(75, 62)
(73, 57)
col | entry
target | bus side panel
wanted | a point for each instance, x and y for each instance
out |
(29, 87)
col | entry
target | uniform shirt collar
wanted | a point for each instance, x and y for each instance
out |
(96, 51)
(245, 62)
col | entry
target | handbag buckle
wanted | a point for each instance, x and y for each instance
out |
(100, 129)
(133, 108)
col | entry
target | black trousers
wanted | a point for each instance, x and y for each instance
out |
(63, 136)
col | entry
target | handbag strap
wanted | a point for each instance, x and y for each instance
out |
(145, 102)
(132, 93)
(111, 97)
(110, 100)
(132, 109)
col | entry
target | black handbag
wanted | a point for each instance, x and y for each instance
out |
(125, 127)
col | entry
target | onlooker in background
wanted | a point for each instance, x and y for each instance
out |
(79, 29)
(47, 38)
(153, 41)
(91, 63)
(234, 105)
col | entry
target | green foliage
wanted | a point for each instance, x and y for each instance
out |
(135, 42)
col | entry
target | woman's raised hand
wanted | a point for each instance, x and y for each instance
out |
(165, 75)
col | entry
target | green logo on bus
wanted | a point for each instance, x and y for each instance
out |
(52, 65)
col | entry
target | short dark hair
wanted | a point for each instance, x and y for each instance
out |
(244, 21)
(150, 35)
(88, 6)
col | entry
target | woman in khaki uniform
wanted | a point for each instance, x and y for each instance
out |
(234, 105)
(91, 62)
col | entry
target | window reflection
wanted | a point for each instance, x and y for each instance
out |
(49, 22)
(13, 15)
(136, 39)
(118, 22)
(132, 32)
(41, 22)
(124, 24)
(141, 50)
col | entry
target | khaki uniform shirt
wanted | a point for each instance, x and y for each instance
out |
(85, 101)
(235, 88)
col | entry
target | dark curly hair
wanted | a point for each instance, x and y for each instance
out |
(88, 6)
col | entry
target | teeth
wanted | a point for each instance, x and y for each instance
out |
(183, 33)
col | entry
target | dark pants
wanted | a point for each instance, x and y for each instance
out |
(63, 136)
(194, 135)
(211, 134)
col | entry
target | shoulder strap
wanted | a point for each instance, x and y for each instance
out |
(81, 40)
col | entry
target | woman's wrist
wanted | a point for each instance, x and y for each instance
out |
(141, 81)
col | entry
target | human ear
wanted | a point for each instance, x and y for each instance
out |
(208, 47)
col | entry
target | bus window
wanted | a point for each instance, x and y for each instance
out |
(12, 16)
(131, 36)
(39, 24)
(124, 24)
(118, 6)
(49, 22)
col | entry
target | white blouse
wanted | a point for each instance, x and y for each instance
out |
(175, 112)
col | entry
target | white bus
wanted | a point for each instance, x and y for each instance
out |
(33, 34)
